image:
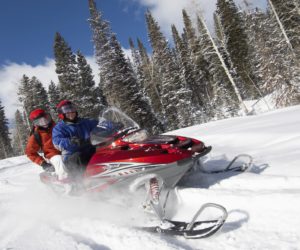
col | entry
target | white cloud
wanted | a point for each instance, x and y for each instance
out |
(11, 73)
(10, 76)
(168, 12)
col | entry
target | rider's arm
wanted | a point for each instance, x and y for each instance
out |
(61, 139)
(32, 151)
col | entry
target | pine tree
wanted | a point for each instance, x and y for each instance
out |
(26, 97)
(187, 76)
(21, 134)
(236, 45)
(101, 37)
(136, 60)
(288, 18)
(40, 96)
(5, 142)
(224, 96)
(88, 103)
(66, 68)
(220, 41)
(176, 98)
(117, 78)
(147, 80)
(54, 99)
(32, 95)
(200, 73)
(274, 64)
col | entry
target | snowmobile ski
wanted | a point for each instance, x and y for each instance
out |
(179, 228)
(230, 168)
(194, 229)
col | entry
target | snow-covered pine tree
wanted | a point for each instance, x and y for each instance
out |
(54, 99)
(32, 95)
(220, 41)
(25, 96)
(288, 18)
(117, 78)
(200, 113)
(176, 98)
(102, 49)
(273, 61)
(20, 134)
(87, 102)
(130, 96)
(40, 97)
(202, 81)
(5, 142)
(66, 68)
(147, 80)
(235, 41)
(136, 61)
(225, 99)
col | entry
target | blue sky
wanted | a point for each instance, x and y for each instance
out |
(28, 27)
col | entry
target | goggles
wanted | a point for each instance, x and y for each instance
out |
(42, 121)
(68, 108)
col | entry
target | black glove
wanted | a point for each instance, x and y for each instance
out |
(79, 142)
(47, 167)
(76, 141)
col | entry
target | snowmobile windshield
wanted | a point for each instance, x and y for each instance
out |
(116, 116)
(99, 135)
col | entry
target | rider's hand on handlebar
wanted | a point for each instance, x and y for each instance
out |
(78, 141)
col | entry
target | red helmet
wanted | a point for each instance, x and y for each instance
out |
(40, 118)
(64, 107)
(37, 113)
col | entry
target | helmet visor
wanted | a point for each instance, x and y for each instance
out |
(42, 121)
(68, 108)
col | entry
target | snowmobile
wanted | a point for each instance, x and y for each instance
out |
(130, 158)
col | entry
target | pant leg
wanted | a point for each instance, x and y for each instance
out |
(77, 162)
(59, 166)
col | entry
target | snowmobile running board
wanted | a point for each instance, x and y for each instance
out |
(194, 229)
(229, 168)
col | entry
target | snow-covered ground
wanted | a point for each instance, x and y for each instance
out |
(263, 204)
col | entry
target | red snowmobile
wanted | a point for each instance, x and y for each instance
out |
(130, 158)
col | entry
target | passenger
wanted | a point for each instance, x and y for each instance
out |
(71, 136)
(40, 140)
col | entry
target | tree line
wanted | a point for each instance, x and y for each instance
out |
(202, 75)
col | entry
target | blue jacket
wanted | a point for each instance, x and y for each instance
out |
(64, 132)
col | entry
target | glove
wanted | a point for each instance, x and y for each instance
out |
(75, 141)
(79, 142)
(47, 167)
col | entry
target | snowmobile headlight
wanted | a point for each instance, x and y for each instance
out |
(137, 136)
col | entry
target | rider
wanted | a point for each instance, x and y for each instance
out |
(41, 139)
(71, 136)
